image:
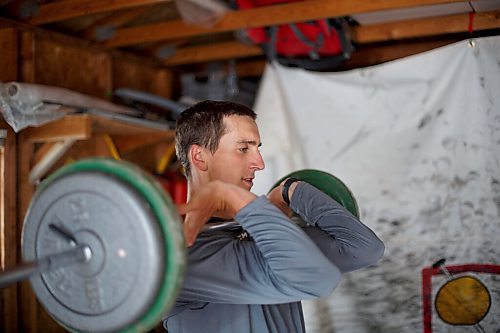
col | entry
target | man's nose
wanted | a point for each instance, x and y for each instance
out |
(258, 162)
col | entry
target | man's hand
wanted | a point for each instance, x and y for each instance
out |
(214, 199)
(276, 197)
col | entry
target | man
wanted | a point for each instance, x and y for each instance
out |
(254, 284)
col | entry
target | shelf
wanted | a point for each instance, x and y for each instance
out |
(84, 126)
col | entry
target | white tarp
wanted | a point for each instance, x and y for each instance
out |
(418, 142)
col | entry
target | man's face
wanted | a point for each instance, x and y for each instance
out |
(238, 156)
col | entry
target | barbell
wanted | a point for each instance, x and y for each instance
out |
(103, 245)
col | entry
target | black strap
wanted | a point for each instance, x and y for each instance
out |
(286, 187)
(315, 45)
(342, 27)
(270, 46)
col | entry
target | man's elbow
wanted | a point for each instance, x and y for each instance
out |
(378, 251)
(374, 253)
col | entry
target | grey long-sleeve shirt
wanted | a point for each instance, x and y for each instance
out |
(256, 286)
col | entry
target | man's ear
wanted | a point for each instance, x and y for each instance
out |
(197, 157)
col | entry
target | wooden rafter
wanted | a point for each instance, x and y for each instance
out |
(164, 50)
(112, 21)
(262, 16)
(62, 10)
(361, 34)
(214, 52)
(425, 27)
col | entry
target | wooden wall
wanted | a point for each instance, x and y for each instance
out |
(30, 57)
(8, 296)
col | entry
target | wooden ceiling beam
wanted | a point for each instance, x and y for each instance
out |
(62, 10)
(111, 22)
(212, 52)
(164, 50)
(366, 56)
(361, 35)
(425, 27)
(263, 16)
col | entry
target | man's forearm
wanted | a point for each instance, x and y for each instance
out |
(351, 244)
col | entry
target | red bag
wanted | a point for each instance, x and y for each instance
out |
(316, 45)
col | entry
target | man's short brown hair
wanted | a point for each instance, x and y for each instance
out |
(203, 124)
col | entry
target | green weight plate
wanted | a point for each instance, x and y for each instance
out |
(168, 220)
(329, 184)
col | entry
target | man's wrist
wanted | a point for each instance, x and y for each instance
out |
(285, 192)
(236, 198)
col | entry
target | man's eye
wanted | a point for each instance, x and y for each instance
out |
(243, 150)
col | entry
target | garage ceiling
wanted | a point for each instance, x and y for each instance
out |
(154, 30)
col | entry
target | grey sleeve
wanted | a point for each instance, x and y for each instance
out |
(281, 265)
(348, 243)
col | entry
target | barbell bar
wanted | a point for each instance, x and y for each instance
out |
(103, 245)
(49, 263)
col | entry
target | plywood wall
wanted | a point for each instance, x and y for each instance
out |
(8, 296)
(92, 71)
